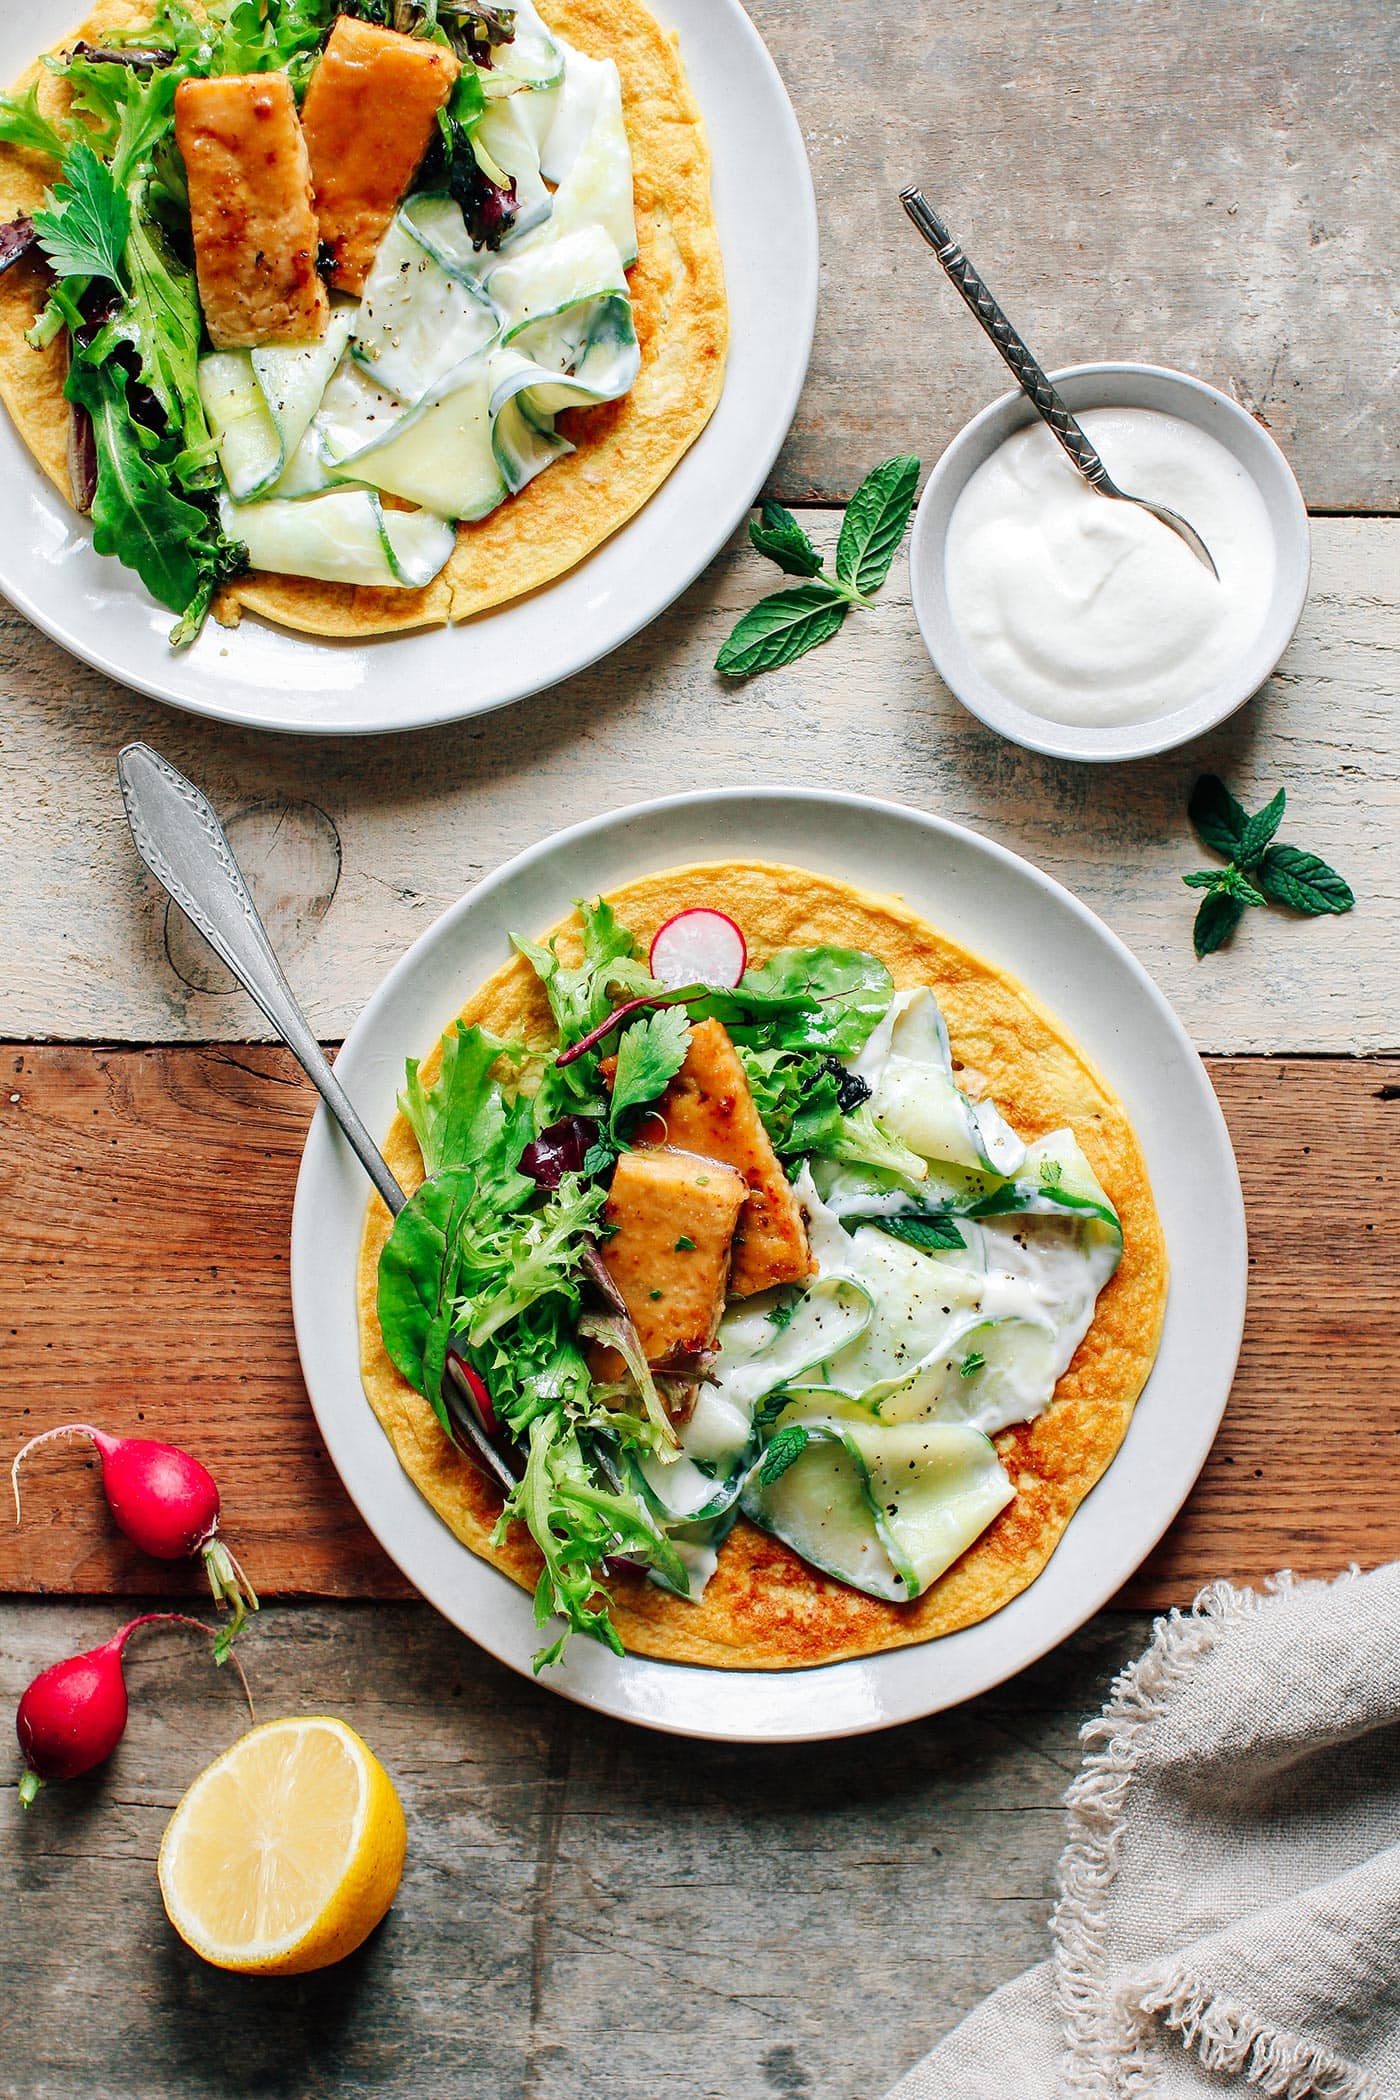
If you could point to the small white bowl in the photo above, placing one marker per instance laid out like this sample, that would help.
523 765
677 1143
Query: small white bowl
1111 386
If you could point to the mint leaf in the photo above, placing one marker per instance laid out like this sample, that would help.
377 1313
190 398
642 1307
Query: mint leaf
779 629
1205 879
84 230
768 1411
1258 832
784 1451
874 523
929 1235
972 1362
1217 817
1304 883
1219 915
649 1055
782 539
1235 884
21 125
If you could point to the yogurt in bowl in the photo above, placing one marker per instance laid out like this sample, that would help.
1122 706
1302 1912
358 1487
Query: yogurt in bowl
1082 626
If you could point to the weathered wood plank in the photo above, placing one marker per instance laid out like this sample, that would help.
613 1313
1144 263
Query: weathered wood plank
148 1196
353 853
1205 187
587 1910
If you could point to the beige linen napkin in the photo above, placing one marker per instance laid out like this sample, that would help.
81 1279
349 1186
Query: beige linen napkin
1229 1912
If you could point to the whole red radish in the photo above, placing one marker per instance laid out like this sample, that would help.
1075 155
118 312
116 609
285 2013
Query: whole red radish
167 1504
73 1715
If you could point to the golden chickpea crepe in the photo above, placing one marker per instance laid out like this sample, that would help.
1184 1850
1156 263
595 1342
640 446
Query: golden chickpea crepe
741 1447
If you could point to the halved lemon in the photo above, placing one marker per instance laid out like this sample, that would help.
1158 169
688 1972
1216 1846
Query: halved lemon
287 1852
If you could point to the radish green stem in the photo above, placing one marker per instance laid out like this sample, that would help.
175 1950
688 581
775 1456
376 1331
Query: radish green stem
231 1589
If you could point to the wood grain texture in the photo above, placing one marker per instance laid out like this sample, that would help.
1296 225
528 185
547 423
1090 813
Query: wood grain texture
1210 187
354 851
144 1273
588 1912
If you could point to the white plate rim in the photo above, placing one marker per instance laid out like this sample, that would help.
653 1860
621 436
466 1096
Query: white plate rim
832 1700
49 572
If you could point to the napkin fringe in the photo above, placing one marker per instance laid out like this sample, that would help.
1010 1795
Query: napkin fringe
1103 2059
1229 2039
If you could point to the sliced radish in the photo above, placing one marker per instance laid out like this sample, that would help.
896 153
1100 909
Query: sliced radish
477 1390
699 947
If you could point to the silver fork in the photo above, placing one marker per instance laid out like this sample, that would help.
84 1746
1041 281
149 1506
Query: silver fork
186 848
1030 376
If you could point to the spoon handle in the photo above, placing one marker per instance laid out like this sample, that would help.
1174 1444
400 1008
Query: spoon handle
185 847
1032 380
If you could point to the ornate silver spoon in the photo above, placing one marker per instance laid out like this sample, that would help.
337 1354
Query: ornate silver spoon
185 847
1031 378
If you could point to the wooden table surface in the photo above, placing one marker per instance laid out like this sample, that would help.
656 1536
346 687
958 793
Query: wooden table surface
589 1911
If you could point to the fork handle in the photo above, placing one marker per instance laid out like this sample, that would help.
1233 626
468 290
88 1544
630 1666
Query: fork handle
1031 378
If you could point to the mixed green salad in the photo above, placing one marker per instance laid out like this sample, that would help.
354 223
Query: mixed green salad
498 298
953 1271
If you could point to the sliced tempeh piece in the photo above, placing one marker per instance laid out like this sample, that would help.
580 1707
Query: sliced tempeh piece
369 115
255 233
708 1108
672 1217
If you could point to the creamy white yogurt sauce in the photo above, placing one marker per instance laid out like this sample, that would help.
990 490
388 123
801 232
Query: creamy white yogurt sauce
1092 612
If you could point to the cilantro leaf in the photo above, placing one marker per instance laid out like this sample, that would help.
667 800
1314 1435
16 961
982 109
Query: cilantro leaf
83 232
1216 815
929 1235
649 1055
972 1362
1289 876
782 539
781 628
784 1451
874 523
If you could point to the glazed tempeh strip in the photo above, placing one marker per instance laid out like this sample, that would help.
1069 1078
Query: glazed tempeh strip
369 117
255 232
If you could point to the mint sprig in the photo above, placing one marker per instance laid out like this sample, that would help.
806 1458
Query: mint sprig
786 625
1259 871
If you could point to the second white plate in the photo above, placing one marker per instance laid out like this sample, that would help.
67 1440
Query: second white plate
267 678
1008 912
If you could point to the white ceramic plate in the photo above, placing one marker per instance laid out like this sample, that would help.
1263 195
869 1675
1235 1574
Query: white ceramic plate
263 677
1005 910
